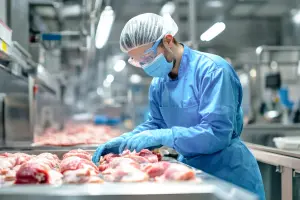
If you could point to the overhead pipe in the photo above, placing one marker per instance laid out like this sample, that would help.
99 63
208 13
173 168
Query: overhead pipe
193 23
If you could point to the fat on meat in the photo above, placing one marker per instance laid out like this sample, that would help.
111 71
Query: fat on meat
80 176
79 153
74 163
126 173
177 172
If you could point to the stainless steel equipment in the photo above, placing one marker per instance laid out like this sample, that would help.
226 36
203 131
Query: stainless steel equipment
287 165
29 98
209 189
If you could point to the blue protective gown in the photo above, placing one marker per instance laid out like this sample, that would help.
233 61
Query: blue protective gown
202 108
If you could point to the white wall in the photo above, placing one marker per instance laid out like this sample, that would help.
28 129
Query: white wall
3 10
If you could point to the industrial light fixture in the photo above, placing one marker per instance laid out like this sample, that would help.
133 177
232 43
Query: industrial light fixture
253 73
100 91
110 78
296 17
259 50
106 21
168 8
215 4
135 78
213 31
106 83
120 65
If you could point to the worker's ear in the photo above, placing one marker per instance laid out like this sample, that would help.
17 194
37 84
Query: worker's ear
168 41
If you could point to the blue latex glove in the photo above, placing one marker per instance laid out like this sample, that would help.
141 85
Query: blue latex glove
111 146
147 140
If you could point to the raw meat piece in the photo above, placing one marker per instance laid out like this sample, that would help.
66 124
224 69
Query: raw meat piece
6 164
6 155
109 157
80 176
126 173
137 158
150 156
55 177
10 175
76 134
74 163
123 161
177 172
52 164
79 153
155 169
49 156
33 173
120 162
103 167
21 158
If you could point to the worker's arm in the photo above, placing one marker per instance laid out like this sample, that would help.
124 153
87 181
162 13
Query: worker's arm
219 98
155 120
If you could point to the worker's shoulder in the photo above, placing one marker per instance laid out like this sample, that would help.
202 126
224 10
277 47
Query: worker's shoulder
207 62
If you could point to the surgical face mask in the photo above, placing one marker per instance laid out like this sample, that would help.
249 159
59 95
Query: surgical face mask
160 67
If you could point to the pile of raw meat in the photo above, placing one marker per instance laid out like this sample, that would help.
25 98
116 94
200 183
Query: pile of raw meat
76 167
83 134
46 168
142 166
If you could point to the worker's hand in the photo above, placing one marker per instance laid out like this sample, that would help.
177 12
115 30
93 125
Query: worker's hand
145 139
111 146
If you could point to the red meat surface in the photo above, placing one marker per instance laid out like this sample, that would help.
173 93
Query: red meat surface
33 173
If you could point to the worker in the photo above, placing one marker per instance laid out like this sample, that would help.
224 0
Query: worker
195 104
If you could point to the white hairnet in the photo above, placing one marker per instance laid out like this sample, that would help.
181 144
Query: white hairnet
145 29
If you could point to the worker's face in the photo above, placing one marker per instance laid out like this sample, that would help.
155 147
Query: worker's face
165 48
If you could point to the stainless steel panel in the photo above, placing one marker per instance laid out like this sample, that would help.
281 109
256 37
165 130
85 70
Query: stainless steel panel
209 188
16 107
2 96
18 21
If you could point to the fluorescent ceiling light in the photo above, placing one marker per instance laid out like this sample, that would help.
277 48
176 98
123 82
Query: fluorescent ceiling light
213 31
120 65
168 8
258 50
296 18
253 73
106 21
215 4
100 91
110 78
135 78
106 83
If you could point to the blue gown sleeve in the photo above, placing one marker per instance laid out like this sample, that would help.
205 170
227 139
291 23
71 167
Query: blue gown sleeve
155 120
220 93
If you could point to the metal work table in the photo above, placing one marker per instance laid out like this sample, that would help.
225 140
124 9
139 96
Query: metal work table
209 188
271 129
287 163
